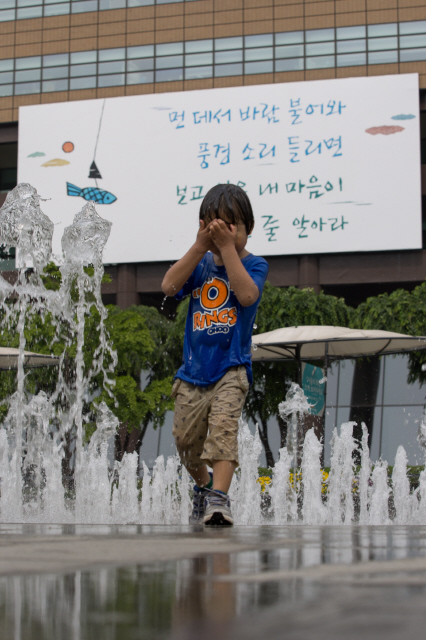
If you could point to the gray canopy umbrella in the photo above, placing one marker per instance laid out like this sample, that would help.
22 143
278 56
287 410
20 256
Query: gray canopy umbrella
327 343
9 359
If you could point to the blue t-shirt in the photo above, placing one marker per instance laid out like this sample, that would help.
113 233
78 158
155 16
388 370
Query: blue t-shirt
218 328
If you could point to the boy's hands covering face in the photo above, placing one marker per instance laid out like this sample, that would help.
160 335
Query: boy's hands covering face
204 241
221 234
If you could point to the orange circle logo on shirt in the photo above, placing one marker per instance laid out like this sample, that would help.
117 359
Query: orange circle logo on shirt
214 294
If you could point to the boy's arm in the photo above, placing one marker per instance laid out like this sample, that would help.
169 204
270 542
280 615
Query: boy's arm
240 280
179 273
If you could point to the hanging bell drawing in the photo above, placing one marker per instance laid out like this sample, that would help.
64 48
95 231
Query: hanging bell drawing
94 171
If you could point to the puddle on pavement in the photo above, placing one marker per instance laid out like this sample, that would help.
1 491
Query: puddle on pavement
161 599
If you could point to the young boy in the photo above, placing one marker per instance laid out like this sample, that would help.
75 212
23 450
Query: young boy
225 282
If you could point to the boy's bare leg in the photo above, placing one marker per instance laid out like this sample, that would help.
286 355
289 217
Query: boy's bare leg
223 471
200 475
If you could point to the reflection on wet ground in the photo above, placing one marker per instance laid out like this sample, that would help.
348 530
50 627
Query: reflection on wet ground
280 582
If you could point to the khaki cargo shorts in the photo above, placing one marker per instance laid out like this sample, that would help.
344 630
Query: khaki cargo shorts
205 425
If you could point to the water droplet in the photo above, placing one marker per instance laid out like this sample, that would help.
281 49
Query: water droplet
423 367
255 326
254 347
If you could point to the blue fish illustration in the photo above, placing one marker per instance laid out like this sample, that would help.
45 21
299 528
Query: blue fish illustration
91 193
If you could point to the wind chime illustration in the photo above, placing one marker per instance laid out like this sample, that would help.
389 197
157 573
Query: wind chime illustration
100 196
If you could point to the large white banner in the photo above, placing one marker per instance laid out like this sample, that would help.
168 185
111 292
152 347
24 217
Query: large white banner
329 166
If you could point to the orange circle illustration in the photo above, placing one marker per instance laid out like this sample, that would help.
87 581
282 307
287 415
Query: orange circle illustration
214 294
68 147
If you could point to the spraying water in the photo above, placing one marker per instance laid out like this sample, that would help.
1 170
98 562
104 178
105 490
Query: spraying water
44 433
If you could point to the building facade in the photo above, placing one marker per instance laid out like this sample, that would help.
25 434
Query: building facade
53 51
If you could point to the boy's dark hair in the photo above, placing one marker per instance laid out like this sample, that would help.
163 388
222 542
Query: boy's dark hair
228 200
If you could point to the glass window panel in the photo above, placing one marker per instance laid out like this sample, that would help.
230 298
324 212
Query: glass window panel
382 57
409 42
292 64
198 72
6 90
397 390
222 44
167 1
140 78
29 87
258 67
111 67
54 1
28 3
57 9
83 83
264 40
7 15
352 60
351 46
27 76
111 81
6 77
55 85
346 374
350 33
55 60
319 35
83 7
319 49
139 3
223 70
82 57
321 62
380 44
400 428
265 53
198 46
289 52
221 57
168 75
30 12
7 4
6 65
55 72
146 64
169 62
82 70
378 30
105 55
104 5
146 51
198 59
406 28
292 37
28 63
411 55
169 49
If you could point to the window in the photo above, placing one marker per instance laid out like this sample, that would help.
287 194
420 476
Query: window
382 44
198 72
26 88
57 9
83 56
168 62
169 75
140 78
351 46
319 49
350 33
111 67
292 64
198 46
352 60
169 49
27 76
319 35
221 57
224 70
54 85
28 63
293 37
54 73
146 64
146 51
258 41
406 28
105 55
111 81
222 44
84 6
198 59
83 83
321 62
258 67
289 52
266 53
382 57
56 59
82 70
406 42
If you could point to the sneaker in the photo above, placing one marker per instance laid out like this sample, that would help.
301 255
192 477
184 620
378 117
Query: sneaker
198 499
217 509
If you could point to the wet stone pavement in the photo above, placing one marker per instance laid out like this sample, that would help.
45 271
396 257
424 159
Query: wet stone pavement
60 582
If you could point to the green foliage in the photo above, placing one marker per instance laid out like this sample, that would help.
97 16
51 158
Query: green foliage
402 312
293 307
